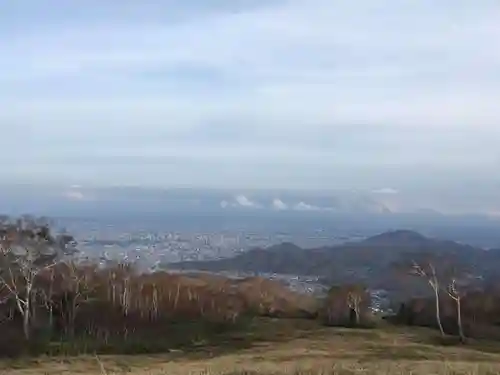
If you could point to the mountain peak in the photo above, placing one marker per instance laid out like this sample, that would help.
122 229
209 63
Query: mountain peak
397 237
284 247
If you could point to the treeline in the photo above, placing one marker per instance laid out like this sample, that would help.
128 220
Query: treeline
48 297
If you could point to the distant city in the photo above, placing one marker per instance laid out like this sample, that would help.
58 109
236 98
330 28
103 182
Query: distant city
151 248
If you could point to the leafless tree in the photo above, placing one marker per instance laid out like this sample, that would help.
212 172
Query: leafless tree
444 272
78 283
27 248
354 300
460 282
47 294
455 293
427 270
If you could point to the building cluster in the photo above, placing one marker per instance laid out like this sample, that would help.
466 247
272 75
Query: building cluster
166 247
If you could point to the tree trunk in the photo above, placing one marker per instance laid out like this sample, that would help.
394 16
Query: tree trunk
27 313
51 318
459 321
177 295
72 319
438 311
26 323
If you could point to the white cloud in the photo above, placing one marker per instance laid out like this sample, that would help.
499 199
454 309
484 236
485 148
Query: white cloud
245 202
74 195
278 204
330 81
301 206
313 53
385 191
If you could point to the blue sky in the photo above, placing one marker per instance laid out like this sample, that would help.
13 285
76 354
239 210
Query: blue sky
275 93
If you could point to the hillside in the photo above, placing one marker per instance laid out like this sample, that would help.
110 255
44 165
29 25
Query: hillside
370 261
287 347
263 296
124 321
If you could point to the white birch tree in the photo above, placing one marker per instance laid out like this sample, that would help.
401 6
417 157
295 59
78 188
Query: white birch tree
28 248
427 271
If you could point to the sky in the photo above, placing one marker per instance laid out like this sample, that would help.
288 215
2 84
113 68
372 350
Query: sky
314 94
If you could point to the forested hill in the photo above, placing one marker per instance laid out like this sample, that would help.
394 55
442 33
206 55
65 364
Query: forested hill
371 261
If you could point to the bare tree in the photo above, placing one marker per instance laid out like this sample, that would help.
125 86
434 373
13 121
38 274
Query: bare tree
447 272
460 282
427 270
354 300
455 293
78 284
28 248
47 293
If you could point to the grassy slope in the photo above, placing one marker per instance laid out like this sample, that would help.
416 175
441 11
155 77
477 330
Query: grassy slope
275 347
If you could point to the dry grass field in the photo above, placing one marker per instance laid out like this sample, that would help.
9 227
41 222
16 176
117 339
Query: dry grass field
290 347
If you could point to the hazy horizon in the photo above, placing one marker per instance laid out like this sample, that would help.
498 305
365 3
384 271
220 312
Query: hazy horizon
311 95
463 200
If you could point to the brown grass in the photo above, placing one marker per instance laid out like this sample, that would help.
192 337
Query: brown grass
293 347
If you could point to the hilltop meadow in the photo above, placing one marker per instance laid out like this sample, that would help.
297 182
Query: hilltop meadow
63 316
284 346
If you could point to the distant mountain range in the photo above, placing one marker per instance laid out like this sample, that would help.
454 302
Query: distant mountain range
372 201
370 261
85 198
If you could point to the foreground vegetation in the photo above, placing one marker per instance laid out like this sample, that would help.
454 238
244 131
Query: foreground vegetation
290 346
